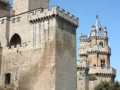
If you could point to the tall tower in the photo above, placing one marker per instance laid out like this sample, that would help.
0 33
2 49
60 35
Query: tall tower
21 6
94 48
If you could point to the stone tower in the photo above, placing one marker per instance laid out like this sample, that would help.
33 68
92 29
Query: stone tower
83 76
38 47
21 6
5 9
94 48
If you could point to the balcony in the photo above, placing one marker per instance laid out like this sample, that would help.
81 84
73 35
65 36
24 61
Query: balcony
102 70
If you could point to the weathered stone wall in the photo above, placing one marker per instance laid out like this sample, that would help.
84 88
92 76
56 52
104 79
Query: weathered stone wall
21 6
22 27
46 58
65 56
34 4
3 28
30 69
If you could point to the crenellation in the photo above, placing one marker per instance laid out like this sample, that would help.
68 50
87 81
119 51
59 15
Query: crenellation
55 11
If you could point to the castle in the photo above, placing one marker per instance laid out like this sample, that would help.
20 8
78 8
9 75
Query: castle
38 49
94 53
37 46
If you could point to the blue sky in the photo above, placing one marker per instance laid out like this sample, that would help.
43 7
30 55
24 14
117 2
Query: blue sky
109 16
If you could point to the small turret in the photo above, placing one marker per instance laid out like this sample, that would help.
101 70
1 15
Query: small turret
99 29
93 31
105 31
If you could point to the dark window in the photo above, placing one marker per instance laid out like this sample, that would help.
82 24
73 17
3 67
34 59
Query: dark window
13 21
18 19
7 78
102 63
101 44
94 65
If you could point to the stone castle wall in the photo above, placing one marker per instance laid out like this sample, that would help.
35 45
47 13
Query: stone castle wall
21 6
46 58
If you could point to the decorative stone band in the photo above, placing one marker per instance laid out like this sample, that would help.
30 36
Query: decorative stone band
102 70
93 37
99 37
41 15
95 49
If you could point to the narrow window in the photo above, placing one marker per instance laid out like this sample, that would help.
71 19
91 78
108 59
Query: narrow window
7 78
13 21
102 63
101 44
18 19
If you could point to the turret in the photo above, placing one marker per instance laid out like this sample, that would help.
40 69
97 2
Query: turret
93 31
95 50
105 31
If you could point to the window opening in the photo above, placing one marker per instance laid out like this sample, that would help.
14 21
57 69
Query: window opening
13 21
18 19
7 78
101 44
102 63
15 40
94 65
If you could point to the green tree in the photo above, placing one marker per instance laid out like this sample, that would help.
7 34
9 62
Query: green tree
104 85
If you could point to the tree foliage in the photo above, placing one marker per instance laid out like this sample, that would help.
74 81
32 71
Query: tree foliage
104 85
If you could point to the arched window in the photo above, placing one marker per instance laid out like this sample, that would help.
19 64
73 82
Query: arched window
15 40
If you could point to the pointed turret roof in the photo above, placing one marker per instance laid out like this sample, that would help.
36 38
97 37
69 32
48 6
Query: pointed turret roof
98 26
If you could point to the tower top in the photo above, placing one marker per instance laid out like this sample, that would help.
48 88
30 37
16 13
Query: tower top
98 27
21 6
96 16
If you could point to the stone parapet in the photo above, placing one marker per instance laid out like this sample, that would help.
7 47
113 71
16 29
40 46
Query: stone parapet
82 64
102 70
95 49
43 14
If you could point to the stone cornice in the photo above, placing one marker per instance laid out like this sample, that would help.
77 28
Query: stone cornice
55 12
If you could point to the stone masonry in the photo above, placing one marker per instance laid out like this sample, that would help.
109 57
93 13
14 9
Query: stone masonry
37 47
94 53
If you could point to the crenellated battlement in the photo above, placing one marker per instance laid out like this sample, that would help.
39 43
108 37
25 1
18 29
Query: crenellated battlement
82 64
43 14
95 49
